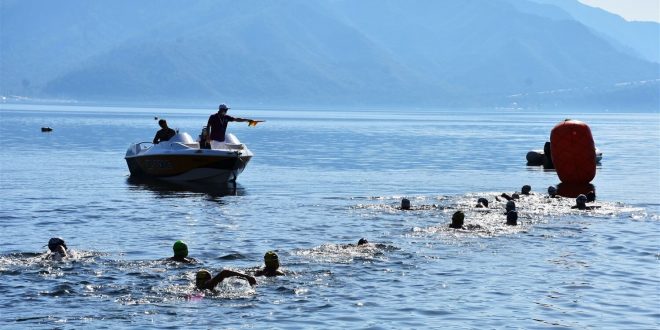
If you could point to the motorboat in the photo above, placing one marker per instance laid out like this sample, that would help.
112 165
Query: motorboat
182 159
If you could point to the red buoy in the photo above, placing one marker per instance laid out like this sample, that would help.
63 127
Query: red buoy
573 152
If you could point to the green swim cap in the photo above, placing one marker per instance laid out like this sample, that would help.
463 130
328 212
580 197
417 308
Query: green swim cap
271 260
180 249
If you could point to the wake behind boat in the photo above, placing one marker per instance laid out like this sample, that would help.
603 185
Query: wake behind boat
182 159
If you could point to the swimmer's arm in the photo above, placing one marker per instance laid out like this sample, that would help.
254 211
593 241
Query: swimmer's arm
229 273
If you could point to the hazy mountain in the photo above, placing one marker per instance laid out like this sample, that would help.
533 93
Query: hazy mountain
643 38
426 52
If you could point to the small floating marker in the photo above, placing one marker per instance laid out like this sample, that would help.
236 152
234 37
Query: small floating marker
46 129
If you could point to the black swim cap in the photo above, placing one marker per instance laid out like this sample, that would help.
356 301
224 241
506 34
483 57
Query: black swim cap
54 242
405 204
526 189
483 201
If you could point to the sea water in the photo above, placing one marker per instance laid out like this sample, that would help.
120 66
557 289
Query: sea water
320 180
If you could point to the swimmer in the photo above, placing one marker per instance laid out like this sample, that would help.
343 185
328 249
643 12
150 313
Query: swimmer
405 204
591 196
509 198
526 189
510 206
272 265
362 241
552 192
482 203
580 203
204 281
457 221
512 218
181 253
58 249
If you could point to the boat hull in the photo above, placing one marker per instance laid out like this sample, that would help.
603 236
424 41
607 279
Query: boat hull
203 166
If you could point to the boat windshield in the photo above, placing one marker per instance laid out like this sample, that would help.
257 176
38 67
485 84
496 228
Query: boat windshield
184 138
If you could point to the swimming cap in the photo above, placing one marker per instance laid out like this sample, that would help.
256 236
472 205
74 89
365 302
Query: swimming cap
512 218
552 190
483 201
581 199
457 219
271 260
54 242
591 196
201 277
515 196
362 241
510 206
526 189
180 249
405 204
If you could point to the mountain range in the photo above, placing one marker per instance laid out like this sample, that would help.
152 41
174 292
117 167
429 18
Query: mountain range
328 52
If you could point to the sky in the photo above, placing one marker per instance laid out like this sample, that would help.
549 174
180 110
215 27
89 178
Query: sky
631 10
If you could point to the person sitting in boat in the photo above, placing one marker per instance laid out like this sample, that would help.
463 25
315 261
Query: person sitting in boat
165 133
181 253
272 265
580 203
204 139
205 281
57 248
217 126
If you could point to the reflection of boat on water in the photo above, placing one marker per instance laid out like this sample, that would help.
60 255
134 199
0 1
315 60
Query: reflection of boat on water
182 159
165 188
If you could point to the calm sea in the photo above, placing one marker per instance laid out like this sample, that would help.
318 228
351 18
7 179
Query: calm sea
320 180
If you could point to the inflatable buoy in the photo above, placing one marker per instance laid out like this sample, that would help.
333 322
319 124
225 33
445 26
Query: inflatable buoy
573 152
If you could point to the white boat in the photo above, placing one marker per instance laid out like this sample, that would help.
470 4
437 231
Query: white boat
182 159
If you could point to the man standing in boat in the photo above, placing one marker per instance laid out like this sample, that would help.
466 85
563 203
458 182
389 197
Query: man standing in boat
217 126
